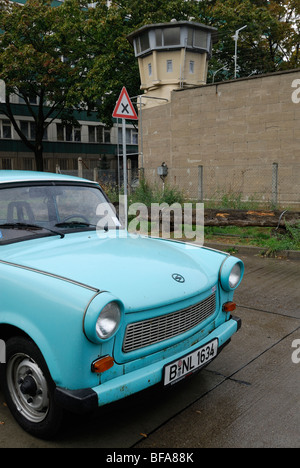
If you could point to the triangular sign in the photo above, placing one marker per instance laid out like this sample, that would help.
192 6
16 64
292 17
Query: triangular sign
124 108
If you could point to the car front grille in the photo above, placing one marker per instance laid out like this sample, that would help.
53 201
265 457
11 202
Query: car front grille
148 332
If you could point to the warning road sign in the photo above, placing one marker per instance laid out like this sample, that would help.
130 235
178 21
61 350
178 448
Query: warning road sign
124 108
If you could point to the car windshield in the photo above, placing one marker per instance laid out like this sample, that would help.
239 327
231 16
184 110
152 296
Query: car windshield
53 209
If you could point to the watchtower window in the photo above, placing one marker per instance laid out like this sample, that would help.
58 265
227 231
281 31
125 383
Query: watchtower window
171 36
200 39
158 37
142 43
197 38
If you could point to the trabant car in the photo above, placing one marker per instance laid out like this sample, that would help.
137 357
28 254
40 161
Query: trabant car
88 317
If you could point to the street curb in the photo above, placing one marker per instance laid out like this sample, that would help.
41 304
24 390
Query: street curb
252 250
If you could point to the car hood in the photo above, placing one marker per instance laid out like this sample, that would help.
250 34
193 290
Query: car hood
139 271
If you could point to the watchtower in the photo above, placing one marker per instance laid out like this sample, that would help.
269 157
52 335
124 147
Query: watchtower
172 56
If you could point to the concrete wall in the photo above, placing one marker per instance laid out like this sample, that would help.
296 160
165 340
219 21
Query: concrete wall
226 137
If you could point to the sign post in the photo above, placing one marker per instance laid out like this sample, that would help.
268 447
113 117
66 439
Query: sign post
124 110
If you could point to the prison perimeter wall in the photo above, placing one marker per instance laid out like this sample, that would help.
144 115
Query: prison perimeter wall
239 137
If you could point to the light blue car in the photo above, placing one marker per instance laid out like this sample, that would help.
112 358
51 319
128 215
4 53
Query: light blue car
89 314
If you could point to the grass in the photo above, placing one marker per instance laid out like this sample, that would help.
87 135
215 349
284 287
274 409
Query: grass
235 201
147 194
269 239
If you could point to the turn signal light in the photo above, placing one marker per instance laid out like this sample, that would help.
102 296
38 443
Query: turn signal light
229 306
102 364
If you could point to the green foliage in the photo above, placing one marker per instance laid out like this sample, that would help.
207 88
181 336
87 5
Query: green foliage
147 194
42 61
269 43
270 240
113 62
99 61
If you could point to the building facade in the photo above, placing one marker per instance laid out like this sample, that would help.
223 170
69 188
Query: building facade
98 146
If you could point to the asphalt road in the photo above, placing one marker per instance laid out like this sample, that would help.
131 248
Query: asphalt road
248 397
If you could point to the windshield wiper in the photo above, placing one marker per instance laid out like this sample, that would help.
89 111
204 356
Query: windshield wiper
75 224
30 227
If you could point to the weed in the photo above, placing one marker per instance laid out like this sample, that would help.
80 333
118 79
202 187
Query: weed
147 194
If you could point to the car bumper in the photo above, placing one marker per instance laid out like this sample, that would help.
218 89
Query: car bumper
87 400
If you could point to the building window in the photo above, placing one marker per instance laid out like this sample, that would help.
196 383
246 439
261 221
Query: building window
29 130
171 36
190 37
93 134
169 66
99 134
150 69
142 43
77 134
5 129
24 127
158 37
192 66
200 39
131 136
68 133
167 37
60 132
134 137
106 135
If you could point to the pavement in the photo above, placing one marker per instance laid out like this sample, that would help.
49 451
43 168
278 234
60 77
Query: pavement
247 397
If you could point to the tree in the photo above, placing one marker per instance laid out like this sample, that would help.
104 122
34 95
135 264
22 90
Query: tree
75 56
114 63
40 63
269 43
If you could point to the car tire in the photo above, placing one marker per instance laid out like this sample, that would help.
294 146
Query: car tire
29 389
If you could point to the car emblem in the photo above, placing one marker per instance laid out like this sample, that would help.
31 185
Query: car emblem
178 278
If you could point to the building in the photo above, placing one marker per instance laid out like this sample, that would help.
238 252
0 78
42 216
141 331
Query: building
98 146
237 139
171 56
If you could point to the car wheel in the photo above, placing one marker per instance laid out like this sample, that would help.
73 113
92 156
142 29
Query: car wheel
29 389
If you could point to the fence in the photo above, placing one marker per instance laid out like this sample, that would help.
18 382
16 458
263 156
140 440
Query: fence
106 177
270 185
273 184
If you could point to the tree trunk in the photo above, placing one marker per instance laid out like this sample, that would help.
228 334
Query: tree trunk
39 161
241 218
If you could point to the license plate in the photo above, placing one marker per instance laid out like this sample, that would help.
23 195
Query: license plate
188 364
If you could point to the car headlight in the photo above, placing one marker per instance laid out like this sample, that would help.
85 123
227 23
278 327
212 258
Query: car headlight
231 273
102 317
235 276
108 321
